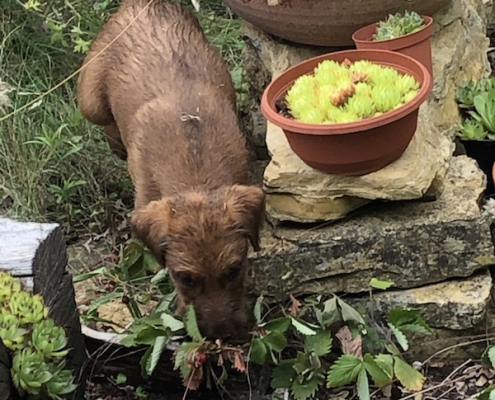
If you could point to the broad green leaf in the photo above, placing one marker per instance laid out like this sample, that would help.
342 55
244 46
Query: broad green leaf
386 364
485 359
277 325
192 325
488 393
121 379
148 335
275 341
409 377
283 375
401 338
258 351
363 387
330 313
158 347
344 371
306 389
89 275
379 376
349 313
419 327
491 356
257 309
319 343
149 261
302 328
169 322
378 284
106 298
408 319
144 362
159 276
302 363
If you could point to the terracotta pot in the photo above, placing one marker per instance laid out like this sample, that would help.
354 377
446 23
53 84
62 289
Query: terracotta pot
416 44
355 148
324 22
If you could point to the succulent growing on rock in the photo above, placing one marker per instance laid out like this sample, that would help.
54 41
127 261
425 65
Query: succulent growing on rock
37 345
397 25
348 92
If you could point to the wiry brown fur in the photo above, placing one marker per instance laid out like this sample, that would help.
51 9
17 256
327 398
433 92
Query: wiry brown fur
167 103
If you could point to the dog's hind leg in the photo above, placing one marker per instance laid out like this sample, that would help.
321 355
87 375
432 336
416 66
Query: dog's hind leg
115 140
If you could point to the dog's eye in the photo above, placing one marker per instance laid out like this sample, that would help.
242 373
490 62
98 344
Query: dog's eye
233 273
187 280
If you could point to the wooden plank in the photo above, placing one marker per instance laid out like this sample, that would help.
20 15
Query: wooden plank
38 254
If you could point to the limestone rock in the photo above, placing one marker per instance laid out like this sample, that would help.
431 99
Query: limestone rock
297 192
412 243
456 304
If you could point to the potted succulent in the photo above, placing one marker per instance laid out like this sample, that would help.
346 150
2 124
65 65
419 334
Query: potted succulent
476 132
328 23
407 33
350 112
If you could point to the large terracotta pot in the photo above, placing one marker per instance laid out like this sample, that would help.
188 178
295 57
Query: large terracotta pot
324 22
355 148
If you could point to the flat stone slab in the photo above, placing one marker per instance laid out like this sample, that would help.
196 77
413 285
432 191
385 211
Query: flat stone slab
412 243
456 304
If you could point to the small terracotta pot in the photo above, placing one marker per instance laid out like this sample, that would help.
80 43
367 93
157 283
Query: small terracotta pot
355 148
416 45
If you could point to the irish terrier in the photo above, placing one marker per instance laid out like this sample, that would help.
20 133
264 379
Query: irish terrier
167 103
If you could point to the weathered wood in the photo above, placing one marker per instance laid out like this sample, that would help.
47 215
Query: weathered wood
7 390
36 253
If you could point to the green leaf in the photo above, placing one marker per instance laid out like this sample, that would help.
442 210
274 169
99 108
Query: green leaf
277 325
89 275
169 322
275 341
386 364
319 343
283 375
363 388
488 393
258 351
158 347
349 313
330 313
401 338
149 262
379 376
121 379
98 302
192 325
257 309
488 357
302 328
408 319
409 377
144 362
306 389
159 276
378 284
344 371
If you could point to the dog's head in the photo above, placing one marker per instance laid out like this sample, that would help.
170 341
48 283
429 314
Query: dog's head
202 238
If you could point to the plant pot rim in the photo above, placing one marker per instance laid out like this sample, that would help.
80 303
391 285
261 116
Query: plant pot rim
362 34
268 99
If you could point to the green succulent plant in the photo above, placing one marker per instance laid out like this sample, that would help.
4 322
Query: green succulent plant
468 90
37 345
348 92
397 25
471 129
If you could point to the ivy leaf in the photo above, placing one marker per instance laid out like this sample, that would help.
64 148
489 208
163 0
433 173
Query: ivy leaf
277 325
401 338
488 357
158 347
192 325
344 371
306 389
275 341
319 343
363 387
171 323
302 328
378 284
258 351
386 364
409 377
379 376
283 375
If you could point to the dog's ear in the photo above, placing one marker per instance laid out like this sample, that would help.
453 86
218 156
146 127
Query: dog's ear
150 225
246 206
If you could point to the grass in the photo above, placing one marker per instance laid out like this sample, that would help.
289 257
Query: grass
54 165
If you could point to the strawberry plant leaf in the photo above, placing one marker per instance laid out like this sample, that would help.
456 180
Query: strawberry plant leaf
283 375
378 284
344 371
257 309
277 325
158 347
349 313
302 328
319 343
386 364
363 387
306 389
379 376
258 351
192 325
169 322
409 377
330 313
408 319
485 359
401 338
275 341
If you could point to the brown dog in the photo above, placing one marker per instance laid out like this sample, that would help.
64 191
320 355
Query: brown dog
167 103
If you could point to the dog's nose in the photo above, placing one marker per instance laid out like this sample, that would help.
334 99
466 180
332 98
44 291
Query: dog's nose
217 331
